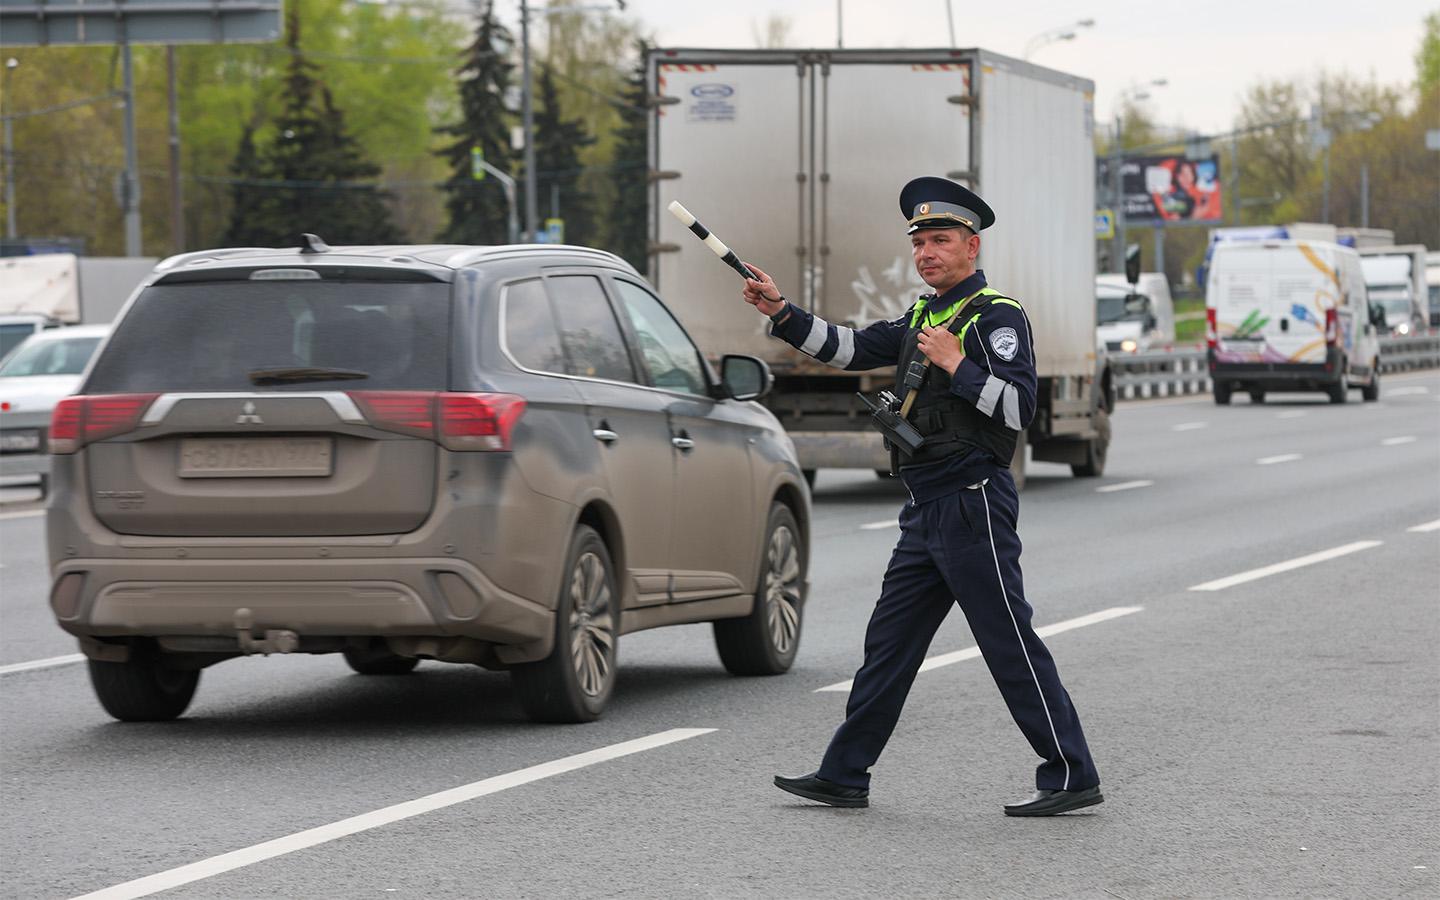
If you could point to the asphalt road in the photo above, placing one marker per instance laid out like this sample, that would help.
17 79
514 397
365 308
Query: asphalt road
1268 736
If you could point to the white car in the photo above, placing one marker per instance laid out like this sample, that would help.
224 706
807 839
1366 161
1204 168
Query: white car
35 376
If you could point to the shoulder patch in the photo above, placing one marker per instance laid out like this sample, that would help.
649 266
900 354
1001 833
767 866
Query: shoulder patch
1006 343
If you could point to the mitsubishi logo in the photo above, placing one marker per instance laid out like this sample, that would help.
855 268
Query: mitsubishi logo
247 415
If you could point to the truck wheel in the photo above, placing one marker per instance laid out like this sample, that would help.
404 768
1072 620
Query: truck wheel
1222 394
1340 390
143 689
1096 450
1371 392
372 662
1257 396
764 642
575 681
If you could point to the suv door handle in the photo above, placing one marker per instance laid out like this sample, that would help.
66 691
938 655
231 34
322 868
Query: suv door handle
605 435
684 444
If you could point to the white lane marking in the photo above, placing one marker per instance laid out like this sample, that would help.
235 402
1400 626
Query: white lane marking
875 526
1282 458
1122 486
1221 584
235 859
1407 391
29 514
1291 414
1428 526
1189 426
946 659
1397 441
50 663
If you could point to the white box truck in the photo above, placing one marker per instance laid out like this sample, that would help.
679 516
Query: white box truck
796 158
1395 277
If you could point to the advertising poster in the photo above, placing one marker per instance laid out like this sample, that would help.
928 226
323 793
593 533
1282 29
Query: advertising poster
1171 189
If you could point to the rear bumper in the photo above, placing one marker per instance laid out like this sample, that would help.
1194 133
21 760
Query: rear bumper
1278 375
313 598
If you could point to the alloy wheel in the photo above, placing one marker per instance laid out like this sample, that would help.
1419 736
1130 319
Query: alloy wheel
782 590
592 625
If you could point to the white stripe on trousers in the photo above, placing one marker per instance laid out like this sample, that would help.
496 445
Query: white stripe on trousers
989 527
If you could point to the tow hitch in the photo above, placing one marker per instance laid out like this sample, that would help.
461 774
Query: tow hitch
276 640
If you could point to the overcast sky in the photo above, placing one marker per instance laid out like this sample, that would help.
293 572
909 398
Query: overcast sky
1209 51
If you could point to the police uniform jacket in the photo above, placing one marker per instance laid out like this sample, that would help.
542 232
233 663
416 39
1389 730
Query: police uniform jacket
996 376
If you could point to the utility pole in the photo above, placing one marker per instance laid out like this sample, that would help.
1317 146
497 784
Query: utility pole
177 208
130 181
528 116
9 138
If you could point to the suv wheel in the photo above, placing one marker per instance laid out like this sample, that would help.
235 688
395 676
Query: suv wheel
574 682
764 642
143 689
379 662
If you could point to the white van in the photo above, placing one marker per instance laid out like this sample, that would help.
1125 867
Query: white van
1290 316
1135 322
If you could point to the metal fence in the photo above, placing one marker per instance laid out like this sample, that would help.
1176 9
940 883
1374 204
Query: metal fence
1176 372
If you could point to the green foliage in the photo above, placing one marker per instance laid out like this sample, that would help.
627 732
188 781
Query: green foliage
629 214
478 209
313 175
1427 58
558 142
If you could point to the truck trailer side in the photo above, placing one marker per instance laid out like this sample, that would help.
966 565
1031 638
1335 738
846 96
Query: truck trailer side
797 158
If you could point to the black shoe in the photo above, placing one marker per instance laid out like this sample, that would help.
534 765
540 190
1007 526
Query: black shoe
1052 803
813 787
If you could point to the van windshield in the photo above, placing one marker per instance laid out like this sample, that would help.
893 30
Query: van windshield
1110 306
308 335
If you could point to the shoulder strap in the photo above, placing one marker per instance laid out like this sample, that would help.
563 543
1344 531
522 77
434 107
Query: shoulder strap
954 317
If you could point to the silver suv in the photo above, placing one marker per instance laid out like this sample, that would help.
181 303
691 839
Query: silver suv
503 456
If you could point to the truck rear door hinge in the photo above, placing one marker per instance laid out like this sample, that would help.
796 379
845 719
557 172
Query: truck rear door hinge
962 100
959 175
653 101
655 175
654 247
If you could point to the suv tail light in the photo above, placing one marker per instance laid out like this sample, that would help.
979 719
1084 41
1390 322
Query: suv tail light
1332 327
78 421
455 421
1212 331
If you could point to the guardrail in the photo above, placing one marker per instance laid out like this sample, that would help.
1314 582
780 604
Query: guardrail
1172 373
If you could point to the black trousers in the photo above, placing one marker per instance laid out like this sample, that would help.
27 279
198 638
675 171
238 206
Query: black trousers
963 549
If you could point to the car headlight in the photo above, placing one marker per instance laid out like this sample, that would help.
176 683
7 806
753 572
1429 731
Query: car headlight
1402 328
1129 346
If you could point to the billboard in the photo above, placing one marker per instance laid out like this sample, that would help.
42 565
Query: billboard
32 23
1173 190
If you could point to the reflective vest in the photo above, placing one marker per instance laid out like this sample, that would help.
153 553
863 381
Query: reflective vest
949 423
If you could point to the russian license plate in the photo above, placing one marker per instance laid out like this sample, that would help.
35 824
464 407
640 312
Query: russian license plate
263 457
20 440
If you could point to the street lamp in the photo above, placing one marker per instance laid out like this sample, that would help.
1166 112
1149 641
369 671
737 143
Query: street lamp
1064 33
527 105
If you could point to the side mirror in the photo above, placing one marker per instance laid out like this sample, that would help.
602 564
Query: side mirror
744 377
1377 316
1132 263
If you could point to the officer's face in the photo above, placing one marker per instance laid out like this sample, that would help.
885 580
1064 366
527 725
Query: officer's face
944 257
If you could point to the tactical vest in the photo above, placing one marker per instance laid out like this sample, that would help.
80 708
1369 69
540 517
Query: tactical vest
949 423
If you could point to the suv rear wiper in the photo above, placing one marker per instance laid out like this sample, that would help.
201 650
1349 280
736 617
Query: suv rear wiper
292 374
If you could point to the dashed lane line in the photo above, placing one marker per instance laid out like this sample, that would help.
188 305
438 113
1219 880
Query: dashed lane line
1123 486
28 514
1189 426
1428 526
1398 440
876 526
1221 584
235 859
49 663
1282 458
1291 414
946 659
1407 391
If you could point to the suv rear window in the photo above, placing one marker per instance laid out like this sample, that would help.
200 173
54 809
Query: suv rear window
214 336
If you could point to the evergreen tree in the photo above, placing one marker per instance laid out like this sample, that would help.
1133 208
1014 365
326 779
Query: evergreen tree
629 229
558 142
247 196
478 208
314 176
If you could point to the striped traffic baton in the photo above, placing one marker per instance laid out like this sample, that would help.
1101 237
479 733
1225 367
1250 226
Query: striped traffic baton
714 243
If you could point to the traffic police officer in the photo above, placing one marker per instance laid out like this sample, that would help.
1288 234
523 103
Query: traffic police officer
957 534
